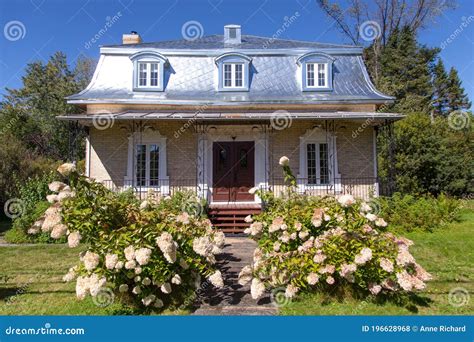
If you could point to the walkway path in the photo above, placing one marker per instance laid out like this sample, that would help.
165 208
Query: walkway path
234 299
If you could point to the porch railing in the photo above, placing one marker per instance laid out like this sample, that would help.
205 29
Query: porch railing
164 187
361 187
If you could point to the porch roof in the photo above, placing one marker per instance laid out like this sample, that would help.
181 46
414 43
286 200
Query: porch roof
234 116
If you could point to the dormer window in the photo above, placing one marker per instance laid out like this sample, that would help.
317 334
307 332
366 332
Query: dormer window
233 75
148 71
148 74
233 72
316 75
316 71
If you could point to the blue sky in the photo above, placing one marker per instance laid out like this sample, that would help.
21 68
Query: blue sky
46 26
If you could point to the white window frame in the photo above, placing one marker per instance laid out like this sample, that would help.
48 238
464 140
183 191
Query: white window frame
148 58
147 138
148 71
318 136
233 74
316 75
147 164
318 162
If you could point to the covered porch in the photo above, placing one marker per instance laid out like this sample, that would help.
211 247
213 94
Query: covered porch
221 156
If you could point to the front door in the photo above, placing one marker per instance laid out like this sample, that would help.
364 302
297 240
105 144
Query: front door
233 171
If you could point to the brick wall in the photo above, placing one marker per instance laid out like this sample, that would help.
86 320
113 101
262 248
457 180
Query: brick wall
354 148
109 152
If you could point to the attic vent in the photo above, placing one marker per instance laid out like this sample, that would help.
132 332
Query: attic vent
232 34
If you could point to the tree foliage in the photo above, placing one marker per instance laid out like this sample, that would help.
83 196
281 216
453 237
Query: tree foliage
429 156
33 139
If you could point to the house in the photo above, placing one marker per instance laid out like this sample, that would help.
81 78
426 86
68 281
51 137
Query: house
215 115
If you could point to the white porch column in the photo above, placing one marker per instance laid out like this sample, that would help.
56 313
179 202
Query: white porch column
202 162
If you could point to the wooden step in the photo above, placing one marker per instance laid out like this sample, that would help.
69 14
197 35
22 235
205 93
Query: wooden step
231 218
234 211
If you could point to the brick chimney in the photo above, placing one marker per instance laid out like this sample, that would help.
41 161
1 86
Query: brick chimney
131 38
232 34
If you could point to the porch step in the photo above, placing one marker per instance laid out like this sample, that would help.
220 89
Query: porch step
230 218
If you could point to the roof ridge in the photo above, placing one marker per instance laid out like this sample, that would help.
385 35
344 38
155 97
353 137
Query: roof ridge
208 39
303 41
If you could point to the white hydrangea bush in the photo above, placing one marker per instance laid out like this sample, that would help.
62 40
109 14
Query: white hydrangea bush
310 244
150 253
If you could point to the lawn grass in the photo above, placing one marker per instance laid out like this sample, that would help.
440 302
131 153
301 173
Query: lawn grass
35 287
448 254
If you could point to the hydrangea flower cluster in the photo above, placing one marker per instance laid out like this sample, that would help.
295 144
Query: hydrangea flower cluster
309 243
150 255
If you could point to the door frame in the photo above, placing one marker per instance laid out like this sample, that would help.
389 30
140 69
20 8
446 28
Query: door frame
232 133
233 149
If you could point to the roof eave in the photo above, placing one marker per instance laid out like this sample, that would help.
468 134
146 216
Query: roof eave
72 100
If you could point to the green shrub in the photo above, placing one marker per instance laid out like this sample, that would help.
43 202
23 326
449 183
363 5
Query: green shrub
16 235
149 255
326 244
19 231
32 194
409 212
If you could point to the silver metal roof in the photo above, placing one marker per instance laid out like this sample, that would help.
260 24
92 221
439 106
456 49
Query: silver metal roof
248 42
248 116
191 79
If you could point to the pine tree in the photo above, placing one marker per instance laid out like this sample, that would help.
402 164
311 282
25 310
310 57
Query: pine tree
405 69
440 89
457 98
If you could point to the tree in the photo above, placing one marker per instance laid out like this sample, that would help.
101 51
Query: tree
405 71
40 100
440 89
457 98
430 157
374 22
33 139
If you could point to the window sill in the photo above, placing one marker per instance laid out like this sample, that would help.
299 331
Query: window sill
233 89
148 89
317 89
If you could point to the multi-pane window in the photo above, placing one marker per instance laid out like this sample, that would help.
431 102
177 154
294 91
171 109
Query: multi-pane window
310 75
142 76
322 75
316 75
233 75
317 161
154 74
141 165
148 74
227 75
147 165
238 75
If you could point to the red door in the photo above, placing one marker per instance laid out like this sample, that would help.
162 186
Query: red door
234 171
